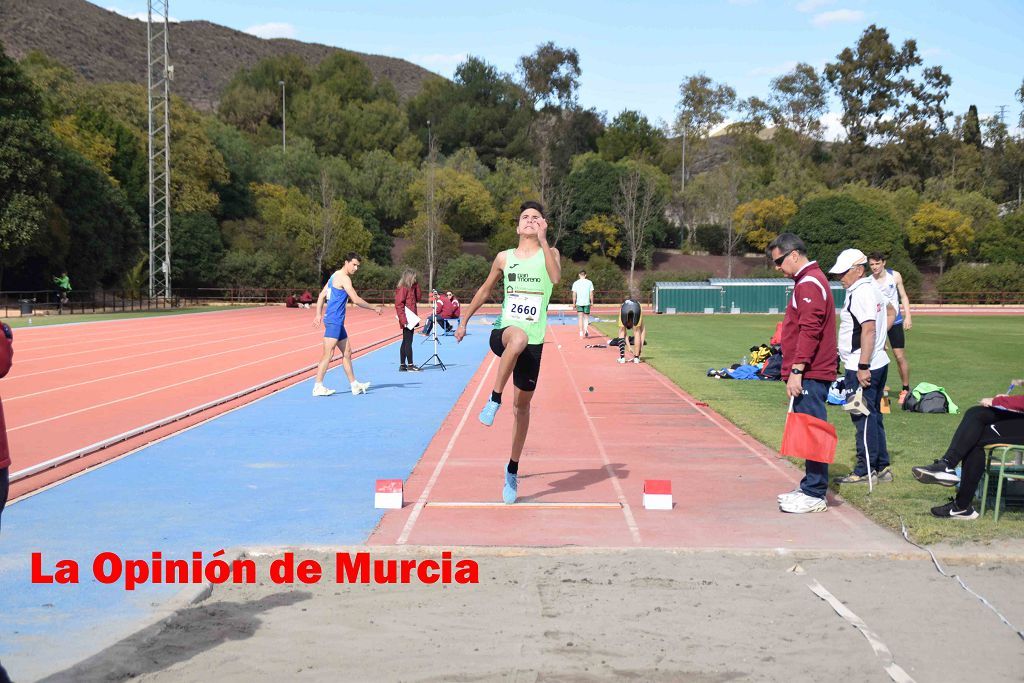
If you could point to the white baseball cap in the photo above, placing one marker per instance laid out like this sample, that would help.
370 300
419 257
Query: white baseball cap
848 259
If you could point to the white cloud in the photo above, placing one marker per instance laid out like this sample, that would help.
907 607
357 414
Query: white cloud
444 64
832 126
776 70
837 16
140 16
812 5
274 29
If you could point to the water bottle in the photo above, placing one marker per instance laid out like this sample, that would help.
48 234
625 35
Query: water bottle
744 361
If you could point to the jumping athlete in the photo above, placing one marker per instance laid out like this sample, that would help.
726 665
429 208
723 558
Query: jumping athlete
529 272
631 321
890 283
337 293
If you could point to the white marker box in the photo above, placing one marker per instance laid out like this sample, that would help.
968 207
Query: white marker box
389 494
657 494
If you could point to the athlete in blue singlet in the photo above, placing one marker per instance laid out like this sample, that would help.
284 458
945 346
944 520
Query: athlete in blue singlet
338 292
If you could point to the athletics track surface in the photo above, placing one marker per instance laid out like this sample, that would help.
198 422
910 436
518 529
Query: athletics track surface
290 470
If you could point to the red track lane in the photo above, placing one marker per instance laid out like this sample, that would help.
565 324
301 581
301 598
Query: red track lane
76 385
599 447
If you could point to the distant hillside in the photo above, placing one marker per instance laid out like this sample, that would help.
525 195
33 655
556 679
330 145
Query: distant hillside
106 47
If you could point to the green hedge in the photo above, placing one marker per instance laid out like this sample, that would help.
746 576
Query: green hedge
998 277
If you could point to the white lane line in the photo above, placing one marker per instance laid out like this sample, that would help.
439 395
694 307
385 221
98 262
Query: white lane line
421 502
627 512
896 673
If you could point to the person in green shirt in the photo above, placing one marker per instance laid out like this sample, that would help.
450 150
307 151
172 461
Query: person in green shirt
63 290
528 272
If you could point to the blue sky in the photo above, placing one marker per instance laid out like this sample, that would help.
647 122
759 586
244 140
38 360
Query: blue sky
635 54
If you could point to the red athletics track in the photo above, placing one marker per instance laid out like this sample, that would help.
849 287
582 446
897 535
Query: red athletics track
597 448
76 385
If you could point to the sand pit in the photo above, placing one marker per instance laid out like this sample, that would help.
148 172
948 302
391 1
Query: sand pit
560 615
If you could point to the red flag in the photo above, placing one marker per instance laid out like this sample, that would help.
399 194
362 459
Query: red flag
809 438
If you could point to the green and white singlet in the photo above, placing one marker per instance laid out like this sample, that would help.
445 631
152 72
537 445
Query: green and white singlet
527 288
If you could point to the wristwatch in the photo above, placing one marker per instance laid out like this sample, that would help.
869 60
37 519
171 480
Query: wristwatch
863 366
795 371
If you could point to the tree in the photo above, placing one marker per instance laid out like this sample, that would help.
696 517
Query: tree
972 128
703 104
798 101
879 95
761 220
941 231
630 135
832 223
601 236
638 203
551 75
28 163
198 250
465 272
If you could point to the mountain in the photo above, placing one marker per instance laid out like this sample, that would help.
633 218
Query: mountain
104 46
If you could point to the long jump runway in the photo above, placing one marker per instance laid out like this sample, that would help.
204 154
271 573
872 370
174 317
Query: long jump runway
598 430
291 470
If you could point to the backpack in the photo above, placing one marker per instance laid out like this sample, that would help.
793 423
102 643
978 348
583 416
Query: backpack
772 367
929 398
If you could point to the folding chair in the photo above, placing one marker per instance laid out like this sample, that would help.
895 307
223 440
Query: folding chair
1010 467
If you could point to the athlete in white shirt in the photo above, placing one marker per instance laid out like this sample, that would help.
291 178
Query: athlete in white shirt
890 284
582 296
863 322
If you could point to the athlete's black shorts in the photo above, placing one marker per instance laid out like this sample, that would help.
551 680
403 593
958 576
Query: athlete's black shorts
527 369
896 338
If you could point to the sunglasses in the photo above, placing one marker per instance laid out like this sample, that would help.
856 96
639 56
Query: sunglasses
782 258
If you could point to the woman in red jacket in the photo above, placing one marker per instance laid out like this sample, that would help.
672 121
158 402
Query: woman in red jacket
407 293
6 358
999 419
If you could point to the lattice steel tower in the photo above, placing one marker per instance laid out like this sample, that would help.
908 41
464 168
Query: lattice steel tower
159 100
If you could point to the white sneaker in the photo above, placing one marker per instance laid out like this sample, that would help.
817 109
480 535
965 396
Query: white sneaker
581 335
359 388
321 390
789 494
801 503
636 360
622 361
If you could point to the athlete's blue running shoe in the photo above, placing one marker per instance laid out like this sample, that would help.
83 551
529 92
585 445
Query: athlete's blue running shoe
488 412
508 493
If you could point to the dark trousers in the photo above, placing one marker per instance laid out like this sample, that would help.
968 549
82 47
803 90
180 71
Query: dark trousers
979 427
405 351
812 402
5 484
871 443
429 324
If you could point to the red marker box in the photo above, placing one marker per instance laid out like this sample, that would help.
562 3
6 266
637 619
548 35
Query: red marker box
389 494
657 494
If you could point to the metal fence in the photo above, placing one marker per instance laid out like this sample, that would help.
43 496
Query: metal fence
51 302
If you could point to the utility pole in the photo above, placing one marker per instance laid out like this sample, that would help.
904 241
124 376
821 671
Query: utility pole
158 98
284 121
1002 113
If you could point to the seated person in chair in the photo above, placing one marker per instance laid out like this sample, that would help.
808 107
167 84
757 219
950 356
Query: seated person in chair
306 299
999 419
440 302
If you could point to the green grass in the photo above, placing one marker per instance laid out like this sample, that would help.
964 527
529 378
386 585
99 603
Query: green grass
972 357
40 320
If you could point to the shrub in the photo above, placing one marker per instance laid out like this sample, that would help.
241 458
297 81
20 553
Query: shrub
647 283
994 278
464 273
710 238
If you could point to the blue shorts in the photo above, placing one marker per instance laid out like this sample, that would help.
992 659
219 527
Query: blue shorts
335 331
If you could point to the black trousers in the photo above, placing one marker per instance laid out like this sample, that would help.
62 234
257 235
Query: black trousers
405 351
5 484
980 427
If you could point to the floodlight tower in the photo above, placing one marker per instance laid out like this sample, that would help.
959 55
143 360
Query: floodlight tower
159 100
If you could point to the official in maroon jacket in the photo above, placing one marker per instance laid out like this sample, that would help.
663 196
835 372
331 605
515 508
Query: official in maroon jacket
810 356
6 359
999 419
407 293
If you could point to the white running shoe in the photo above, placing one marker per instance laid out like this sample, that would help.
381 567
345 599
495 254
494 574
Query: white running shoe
801 503
636 360
789 494
321 390
359 388
622 361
